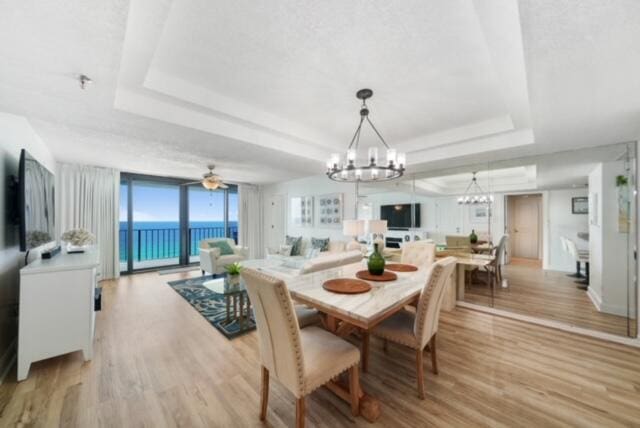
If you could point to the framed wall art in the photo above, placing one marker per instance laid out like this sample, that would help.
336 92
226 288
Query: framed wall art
329 210
301 211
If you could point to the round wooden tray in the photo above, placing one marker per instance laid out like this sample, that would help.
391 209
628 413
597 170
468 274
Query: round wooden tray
401 267
386 276
346 286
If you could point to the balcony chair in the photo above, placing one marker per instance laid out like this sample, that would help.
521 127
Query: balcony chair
301 360
211 259
418 331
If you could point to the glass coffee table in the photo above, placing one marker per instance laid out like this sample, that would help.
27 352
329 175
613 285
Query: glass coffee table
236 299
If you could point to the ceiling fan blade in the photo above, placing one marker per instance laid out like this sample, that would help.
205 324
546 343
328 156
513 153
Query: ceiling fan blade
223 186
191 183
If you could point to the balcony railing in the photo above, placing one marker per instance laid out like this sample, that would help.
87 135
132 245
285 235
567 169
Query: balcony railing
155 244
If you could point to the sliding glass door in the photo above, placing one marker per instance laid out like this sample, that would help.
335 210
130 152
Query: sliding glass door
163 220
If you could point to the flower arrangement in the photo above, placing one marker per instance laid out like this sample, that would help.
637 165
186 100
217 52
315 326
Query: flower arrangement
37 238
234 269
78 237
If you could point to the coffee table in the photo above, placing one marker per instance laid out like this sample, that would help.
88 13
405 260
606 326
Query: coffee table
235 295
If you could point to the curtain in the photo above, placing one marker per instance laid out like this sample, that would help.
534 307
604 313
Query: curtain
89 197
250 222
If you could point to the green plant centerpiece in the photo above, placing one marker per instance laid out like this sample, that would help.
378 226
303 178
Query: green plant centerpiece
376 262
233 272
473 238
621 180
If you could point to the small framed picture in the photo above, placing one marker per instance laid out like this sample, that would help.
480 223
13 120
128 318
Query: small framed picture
580 205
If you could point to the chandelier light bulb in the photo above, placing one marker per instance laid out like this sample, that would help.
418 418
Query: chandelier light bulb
402 159
351 155
391 156
373 155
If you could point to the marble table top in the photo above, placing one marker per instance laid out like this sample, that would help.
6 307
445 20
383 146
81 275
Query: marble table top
363 310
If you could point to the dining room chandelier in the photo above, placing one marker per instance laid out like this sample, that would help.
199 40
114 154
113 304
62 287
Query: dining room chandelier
371 170
475 195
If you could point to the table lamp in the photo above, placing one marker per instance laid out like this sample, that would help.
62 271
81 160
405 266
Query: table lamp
353 228
377 228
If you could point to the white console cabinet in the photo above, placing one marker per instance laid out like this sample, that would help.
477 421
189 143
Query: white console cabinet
57 308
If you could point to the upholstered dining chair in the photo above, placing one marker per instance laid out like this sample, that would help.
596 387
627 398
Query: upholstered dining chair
418 331
301 360
418 253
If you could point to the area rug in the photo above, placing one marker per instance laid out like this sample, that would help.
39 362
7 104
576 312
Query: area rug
210 305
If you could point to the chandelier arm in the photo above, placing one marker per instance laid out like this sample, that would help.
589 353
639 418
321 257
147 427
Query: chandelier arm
357 133
377 133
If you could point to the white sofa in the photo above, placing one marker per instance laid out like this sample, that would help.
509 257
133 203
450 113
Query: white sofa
211 261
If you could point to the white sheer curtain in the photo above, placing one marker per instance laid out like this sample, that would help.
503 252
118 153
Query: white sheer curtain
89 197
250 222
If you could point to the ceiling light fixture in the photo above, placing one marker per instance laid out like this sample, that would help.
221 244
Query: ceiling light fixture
474 195
350 171
84 81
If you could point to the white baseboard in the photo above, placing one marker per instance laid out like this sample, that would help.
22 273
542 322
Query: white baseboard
595 298
635 342
8 359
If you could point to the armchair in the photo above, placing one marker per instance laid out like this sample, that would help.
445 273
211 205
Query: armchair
213 262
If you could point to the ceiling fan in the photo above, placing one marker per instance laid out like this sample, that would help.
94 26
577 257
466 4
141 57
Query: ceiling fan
210 180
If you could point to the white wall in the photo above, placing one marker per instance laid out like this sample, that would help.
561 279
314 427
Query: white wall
313 186
15 134
608 285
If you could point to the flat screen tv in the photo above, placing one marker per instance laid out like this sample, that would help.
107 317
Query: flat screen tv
36 203
398 216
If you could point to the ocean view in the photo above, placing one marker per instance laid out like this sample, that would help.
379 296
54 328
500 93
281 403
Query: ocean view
161 239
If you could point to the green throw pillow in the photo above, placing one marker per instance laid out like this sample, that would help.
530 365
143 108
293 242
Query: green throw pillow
296 243
320 244
225 248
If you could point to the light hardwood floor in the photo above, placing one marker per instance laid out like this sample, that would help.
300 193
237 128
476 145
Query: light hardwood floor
546 294
159 363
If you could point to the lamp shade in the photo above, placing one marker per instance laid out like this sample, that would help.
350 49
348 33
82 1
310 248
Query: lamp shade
353 227
376 226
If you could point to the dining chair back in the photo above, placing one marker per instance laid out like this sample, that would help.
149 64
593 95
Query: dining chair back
278 331
418 253
428 310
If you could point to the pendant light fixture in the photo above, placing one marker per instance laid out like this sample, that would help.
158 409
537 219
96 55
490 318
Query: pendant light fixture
474 195
348 170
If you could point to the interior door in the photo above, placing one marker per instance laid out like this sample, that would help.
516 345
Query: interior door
526 226
275 221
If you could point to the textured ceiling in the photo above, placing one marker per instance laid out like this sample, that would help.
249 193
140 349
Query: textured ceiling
266 89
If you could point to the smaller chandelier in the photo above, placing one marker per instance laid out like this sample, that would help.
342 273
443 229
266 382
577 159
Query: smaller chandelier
474 195
372 170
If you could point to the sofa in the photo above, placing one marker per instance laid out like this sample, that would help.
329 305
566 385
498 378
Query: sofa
211 259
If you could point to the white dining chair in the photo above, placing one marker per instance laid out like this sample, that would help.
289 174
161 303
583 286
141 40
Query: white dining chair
418 330
418 253
301 360
579 257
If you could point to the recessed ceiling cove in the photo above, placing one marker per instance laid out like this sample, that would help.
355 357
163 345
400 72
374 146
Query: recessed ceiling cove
283 74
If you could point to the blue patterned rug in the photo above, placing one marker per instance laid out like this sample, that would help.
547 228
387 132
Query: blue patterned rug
212 306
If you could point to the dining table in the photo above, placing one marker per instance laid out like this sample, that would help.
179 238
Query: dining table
346 314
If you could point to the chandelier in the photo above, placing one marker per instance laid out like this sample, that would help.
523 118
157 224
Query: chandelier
474 195
372 170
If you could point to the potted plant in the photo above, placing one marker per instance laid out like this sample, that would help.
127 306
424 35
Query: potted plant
233 272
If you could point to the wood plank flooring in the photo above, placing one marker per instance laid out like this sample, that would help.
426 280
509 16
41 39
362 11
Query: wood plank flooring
546 294
158 363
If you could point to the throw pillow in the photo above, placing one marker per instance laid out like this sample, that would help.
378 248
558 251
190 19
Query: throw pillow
285 250
320 244
296 243
225 248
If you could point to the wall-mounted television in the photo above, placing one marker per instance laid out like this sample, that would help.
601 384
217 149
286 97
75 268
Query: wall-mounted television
36 201
399 216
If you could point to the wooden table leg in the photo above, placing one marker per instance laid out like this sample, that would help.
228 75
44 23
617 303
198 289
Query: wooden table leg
365 351
369 407
461 278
